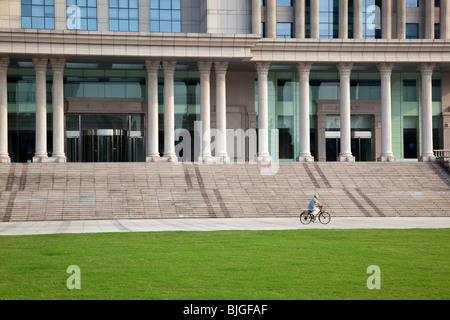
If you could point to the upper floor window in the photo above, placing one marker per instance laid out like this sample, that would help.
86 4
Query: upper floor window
412 3
82 14
38 14
123 15
329 19
284 3
165 15
412 31
284 30
371 19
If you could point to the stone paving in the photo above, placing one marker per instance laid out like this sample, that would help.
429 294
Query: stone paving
122 191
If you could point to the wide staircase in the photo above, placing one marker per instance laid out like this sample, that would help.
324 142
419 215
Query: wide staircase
75 191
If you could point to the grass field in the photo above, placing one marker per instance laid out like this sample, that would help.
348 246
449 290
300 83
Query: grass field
263 265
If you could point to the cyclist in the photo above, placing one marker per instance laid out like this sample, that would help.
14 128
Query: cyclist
314 205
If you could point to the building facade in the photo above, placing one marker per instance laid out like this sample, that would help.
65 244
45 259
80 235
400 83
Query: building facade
213 80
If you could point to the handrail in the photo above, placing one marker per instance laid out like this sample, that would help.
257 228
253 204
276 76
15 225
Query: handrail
442 153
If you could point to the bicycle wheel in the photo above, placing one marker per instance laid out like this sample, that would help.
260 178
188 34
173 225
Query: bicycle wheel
305 217
324 218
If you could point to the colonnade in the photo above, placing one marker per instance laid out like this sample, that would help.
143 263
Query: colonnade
220 69
386 18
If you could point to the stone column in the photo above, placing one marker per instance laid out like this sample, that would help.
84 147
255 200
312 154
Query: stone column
205 108
256 16
169 111
263 112
300 19
314 20
4 155
58 66
271 18
386 19
401 19
357 19
444 19
152 134
40 67
343 19
221 111
426 70
386 125
345 70
429 19
304 70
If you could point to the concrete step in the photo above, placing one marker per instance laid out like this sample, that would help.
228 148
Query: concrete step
75 191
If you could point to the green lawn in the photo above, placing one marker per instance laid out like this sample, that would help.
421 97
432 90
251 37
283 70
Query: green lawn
266 265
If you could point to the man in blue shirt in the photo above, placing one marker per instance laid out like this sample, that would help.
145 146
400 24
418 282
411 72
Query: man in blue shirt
314 205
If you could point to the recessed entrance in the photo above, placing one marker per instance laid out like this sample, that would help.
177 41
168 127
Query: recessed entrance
102 138
365 129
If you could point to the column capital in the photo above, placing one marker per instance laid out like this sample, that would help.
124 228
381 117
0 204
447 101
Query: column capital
58 65
304 67
345 68
385 68
152 66
40 64
169 66
204 67
426 69
220 67
262 67
4 62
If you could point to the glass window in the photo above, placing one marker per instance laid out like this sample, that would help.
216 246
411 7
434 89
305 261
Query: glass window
409 90
329 19
412 3
371 19
284 30
81 14
123 15
284 3
38 14
436 90
165 15
412 31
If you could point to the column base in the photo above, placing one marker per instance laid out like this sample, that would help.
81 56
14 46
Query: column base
155 158
427 158
58 159
5 159
41 159
173 159
206 159
305 159
346 159
221 159
386 158
264 159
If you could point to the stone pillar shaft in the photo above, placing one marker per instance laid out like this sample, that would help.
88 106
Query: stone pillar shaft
4 155
386 123
426 70
169 111
40 67
58 66
221 111
346 151
205 108
263 112
304 70
152 111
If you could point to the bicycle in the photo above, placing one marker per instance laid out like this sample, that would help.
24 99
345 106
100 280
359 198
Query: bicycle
306 216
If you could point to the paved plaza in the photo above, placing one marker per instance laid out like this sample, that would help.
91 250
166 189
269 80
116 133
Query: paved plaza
210 224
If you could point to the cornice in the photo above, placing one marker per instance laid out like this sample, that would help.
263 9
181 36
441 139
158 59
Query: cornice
218 47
